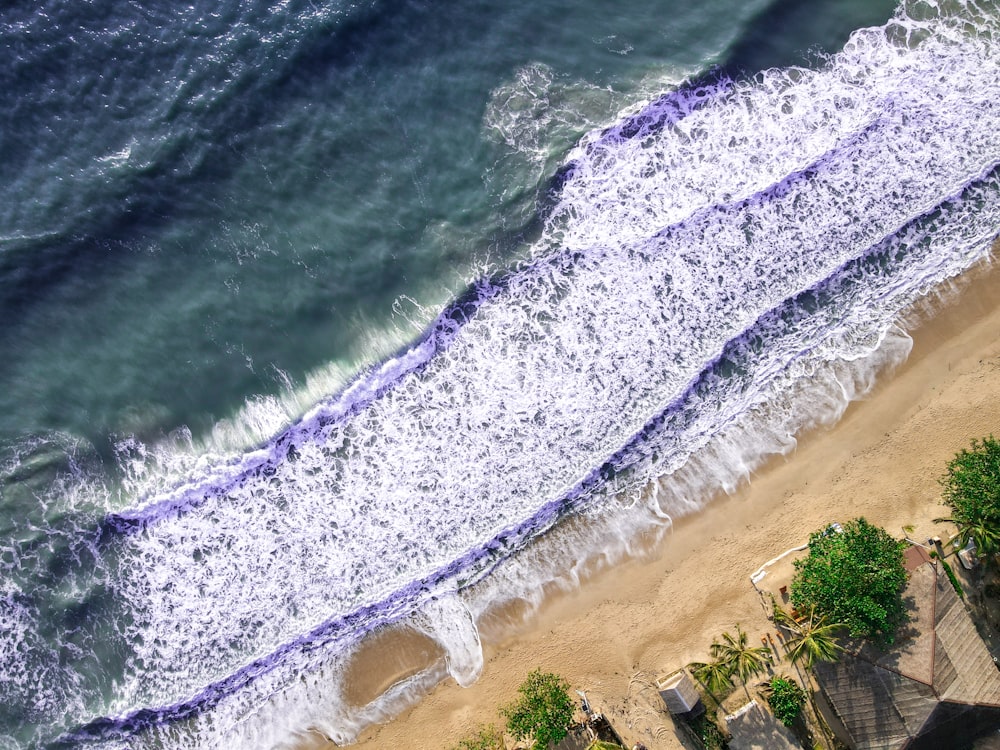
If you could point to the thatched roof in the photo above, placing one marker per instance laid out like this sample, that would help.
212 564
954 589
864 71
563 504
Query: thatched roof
937 687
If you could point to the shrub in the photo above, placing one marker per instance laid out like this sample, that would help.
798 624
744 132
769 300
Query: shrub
855 577
543 712
786 699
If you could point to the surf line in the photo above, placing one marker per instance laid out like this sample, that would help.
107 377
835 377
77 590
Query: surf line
439 335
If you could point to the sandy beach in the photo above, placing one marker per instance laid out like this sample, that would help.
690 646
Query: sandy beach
646 617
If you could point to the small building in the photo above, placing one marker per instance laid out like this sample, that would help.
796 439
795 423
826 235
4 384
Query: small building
938 687
680 695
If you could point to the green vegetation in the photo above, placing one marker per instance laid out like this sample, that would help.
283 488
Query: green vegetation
543 712
786 699
972 491
855 576
742 659
731 657
485 737
708 733
714 675
954 580
810 639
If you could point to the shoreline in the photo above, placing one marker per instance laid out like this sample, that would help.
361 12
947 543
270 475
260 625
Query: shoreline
646 616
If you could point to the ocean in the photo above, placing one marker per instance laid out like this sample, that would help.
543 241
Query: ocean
324 317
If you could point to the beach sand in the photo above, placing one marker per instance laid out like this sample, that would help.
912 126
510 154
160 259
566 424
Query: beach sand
643 618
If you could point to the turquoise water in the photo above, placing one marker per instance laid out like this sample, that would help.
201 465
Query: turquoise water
319 316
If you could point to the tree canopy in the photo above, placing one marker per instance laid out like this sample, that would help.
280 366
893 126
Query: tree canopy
739 657
972 491
543 711
810 639
854 576
714 675
734 656
786 699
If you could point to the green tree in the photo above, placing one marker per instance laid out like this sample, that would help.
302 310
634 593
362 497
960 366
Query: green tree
786 699
972 491
854 576
740 658
811 639
485 737
708 733
714 675
733 656
543 711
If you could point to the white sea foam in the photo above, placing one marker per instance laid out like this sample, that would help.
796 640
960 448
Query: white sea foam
449 622
704 291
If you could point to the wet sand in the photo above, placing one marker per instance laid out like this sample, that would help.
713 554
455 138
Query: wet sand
646 617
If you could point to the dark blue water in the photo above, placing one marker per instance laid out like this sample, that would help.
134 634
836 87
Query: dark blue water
317 314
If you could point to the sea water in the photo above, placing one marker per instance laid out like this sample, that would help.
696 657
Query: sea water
322 317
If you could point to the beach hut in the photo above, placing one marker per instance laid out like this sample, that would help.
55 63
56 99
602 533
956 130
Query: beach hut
680 695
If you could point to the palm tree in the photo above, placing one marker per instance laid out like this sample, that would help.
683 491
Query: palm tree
979 527
812 639
741 658
716 675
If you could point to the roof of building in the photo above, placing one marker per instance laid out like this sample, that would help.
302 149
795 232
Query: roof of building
937 681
